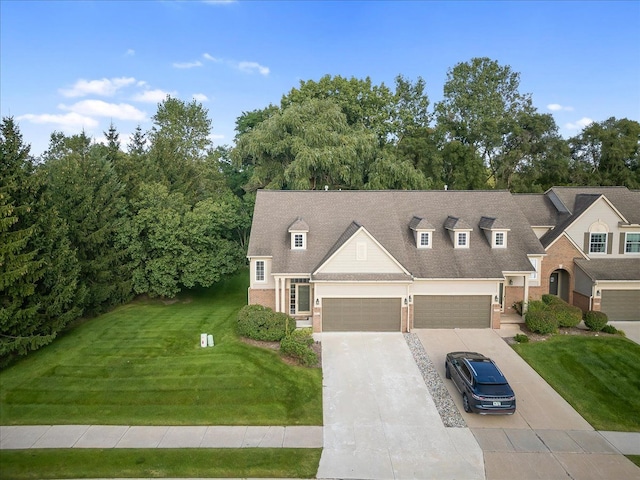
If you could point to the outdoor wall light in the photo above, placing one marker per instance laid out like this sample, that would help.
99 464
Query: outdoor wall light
496 298
511 281
406 301
597 293
317 302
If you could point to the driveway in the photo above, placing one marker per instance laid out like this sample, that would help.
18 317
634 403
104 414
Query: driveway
546 437
380 421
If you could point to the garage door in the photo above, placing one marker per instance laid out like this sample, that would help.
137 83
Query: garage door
361 314
451 311
621 304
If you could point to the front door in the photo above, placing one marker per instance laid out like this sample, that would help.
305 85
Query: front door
553 283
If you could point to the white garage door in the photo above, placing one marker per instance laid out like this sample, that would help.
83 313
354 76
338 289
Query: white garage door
452 311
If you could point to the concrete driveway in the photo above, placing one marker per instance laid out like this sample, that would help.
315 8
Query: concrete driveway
546 437
631 329
380 421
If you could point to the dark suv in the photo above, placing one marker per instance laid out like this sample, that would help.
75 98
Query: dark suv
482 385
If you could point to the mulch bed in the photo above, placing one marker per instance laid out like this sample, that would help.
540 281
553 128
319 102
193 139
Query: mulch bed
275 346
581 331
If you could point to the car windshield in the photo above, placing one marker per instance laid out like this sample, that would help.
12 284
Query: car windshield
493 389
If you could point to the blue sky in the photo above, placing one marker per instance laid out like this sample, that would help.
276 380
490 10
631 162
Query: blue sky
73 65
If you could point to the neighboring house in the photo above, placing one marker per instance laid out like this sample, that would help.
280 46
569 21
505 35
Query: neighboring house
397 260
591 236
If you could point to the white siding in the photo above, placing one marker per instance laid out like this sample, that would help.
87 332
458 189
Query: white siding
375 260
359 290
268 279
454 287
540 231
602 212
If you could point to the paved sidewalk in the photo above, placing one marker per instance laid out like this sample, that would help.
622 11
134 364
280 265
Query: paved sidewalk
116 436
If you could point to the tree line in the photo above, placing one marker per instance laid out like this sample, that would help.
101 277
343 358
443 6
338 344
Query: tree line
87 226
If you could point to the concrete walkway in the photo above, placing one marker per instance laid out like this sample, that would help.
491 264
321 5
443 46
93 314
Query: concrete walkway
116 436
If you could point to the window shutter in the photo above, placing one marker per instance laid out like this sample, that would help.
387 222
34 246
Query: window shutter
609 243
586 242
622 243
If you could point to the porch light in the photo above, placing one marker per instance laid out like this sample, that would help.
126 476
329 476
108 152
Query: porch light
511 281
317 302
597 293
496 298
406 301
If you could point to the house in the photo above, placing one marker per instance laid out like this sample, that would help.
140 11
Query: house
397 260
591 236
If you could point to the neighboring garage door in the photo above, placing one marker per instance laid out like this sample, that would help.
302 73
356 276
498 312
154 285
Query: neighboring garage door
621 305
451 311
361 315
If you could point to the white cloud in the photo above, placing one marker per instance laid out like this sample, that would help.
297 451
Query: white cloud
211 58
583 122
130 52
555 107
98 108
105 87
152 96
71 119
200 97
252 67
197 63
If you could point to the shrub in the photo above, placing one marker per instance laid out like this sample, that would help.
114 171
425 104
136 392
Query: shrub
521 338
262 323
595 321
609 329
549 299
517 306
541 320
298 345
567 315
536 306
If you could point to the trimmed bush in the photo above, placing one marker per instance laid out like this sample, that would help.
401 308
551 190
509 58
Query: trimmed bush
298 345
609 329
549 299
540 320
521 338
567 315
595 321
262 323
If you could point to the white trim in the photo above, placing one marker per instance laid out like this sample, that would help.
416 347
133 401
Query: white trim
264 271
467 239
419 234
303 236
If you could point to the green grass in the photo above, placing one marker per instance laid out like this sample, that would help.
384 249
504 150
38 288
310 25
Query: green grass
635 459
598 376
142 364
158 463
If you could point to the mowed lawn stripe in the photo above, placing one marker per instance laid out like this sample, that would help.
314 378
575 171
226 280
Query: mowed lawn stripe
142 364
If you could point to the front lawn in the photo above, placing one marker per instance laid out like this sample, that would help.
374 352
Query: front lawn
142 364
158 463
599 376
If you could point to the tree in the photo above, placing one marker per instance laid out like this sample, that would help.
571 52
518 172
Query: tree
306 146
174 245
90 198
483 108
607 153
38 269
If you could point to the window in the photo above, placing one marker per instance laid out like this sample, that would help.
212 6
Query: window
299 296
499 239
259 270
462 239
298 241
598 243
632 243
425 240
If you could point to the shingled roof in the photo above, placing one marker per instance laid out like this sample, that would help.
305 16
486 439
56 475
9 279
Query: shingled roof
611 268
334 216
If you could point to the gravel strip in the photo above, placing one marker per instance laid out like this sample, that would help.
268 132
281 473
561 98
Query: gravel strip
448 411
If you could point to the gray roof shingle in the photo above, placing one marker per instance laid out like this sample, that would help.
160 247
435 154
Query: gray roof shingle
334 216
610 268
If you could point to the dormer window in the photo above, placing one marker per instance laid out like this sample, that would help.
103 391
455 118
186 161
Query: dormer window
462 240
298 231
460 231
422 231
425 240
495 231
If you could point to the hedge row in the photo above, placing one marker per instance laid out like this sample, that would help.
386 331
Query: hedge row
546 315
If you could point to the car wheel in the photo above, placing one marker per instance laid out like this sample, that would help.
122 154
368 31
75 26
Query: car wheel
465 403
447 373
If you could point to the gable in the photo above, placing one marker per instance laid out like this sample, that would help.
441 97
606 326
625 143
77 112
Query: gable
361 253
599 217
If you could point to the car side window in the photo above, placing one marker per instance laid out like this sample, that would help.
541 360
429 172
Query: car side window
465 371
